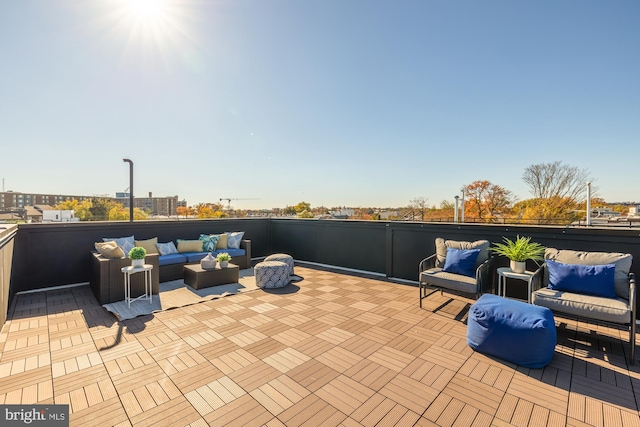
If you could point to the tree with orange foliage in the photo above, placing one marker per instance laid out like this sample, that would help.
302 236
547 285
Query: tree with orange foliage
486 201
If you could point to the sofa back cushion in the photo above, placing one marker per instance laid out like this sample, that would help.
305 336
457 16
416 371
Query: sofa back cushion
582 279
149 245
622 265
190 246
442 245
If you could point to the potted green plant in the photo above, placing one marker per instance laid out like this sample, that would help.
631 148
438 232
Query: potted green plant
519 251
223 258
137 255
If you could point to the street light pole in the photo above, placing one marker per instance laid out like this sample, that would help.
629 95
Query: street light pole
130 188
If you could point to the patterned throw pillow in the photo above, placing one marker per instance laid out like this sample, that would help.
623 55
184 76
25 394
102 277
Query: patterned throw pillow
209 242
234 239
167 248
125 243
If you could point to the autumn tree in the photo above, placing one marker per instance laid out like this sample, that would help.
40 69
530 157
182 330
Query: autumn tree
305 214
486 200
302 206
120 213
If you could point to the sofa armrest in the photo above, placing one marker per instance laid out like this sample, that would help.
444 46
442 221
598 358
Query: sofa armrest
483 278
427 263
537 280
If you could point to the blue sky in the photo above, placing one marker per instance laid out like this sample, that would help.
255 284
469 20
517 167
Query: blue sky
334 102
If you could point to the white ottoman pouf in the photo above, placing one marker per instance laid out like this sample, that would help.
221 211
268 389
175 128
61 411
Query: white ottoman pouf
287 259
271 274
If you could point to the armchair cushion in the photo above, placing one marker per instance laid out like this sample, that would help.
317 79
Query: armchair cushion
461 261
442 245
621 261
457 282
583 279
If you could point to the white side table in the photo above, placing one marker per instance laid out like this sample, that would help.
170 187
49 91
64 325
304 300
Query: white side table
505 273
148 291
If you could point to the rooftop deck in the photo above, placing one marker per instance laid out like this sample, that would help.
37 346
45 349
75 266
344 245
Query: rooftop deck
333 349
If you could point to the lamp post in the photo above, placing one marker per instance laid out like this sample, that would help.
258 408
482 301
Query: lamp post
130 188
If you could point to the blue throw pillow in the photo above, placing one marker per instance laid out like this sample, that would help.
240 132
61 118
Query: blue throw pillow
167 248
234 239
582 279
461 261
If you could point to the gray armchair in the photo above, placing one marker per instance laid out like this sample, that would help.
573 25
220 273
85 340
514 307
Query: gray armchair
618 308
432 275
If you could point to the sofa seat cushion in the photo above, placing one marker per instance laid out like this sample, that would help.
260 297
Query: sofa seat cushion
197 256
616 310
458 282
172 259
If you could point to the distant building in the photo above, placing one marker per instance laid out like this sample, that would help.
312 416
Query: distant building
163 206
11 201
55 215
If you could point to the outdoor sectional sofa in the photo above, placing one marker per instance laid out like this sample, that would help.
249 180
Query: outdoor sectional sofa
107 279
172 266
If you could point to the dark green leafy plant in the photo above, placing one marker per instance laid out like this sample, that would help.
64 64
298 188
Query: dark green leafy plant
520 249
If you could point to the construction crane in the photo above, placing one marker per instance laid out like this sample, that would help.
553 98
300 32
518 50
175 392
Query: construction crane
229 199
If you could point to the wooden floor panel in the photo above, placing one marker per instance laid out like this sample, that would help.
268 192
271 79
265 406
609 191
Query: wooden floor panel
338 350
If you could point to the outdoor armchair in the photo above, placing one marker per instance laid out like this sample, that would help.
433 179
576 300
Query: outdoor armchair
455 268
592 285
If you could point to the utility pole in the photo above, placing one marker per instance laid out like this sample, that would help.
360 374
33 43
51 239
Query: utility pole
130 188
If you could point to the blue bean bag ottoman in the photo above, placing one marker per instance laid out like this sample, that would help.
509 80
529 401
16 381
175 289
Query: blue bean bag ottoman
515 331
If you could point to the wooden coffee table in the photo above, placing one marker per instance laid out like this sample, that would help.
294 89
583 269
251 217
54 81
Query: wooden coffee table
198 278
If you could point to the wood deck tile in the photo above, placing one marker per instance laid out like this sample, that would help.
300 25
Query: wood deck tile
361 346
107 413
313 347
245 411
344 394
254 375
286 359
370 374
335 335
175 412
549 396
234 361
339 358
291 336
312 374
265 347
410 393
25 379
76 380
309 411
129 381
391 358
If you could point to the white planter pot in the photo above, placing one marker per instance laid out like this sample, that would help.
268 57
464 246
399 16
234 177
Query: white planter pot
517 266
137 262
224 264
